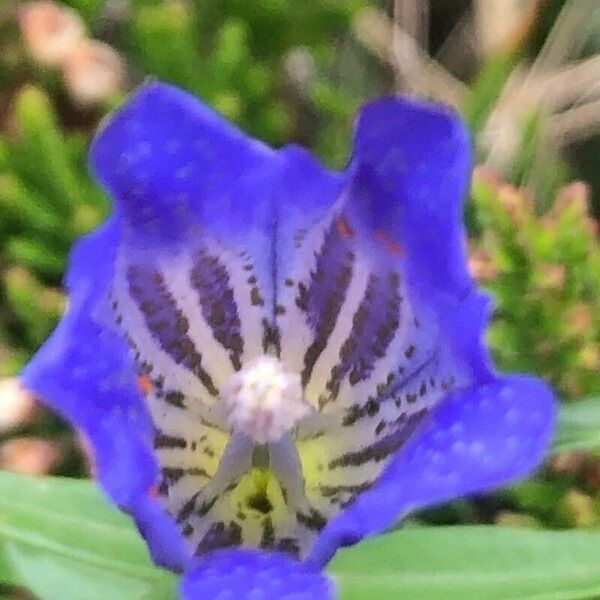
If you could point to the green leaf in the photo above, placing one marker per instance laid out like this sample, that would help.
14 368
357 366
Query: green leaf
61 539
43 152
471 563
486 89
578 426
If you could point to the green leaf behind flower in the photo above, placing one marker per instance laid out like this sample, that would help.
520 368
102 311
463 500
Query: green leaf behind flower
578 426
471 563
61 539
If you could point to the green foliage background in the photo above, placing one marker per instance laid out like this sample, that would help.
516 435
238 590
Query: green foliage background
536 251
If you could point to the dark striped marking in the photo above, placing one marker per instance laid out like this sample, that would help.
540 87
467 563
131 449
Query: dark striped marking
209 277
162 440
381 448
163 488
333 490
166 322
187 509
174 474
220 535
322 298
373 328
174 398
313 520
206 506
395 386
271 339
288 545
255 297
267 539
356 412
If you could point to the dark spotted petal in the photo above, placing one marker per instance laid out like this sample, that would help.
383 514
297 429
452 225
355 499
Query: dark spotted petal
253 575
478 439
381 317
84 371
411 170
222 250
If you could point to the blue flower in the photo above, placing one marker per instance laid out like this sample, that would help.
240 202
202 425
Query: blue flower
265 354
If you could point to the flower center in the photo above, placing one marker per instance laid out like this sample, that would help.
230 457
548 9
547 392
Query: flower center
264 400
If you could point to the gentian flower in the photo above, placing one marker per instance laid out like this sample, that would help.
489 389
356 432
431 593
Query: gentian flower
272 360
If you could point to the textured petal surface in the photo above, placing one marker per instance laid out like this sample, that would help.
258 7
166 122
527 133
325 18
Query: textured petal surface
412 165
166 158
253 575
477 439
420 155
207 221
382 319
222 250
84 371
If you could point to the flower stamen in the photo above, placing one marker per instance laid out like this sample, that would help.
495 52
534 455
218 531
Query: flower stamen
264 400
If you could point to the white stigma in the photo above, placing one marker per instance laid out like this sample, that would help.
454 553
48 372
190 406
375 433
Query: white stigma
263 400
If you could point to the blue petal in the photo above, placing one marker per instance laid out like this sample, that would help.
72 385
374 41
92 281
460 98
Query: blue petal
478 439
385 318
166 156
183 178
420 155
396 211
409 175
311 265
304 195
253 575
163 537
179 173
85 372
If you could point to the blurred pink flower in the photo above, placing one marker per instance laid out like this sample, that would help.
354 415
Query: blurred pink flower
31 456
18 406
93 71
50 31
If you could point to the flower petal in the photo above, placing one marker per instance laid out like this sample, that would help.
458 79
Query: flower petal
223 250
388 252
253 575
198 206
420 155
382 318
165 157
208 224
412 167
85 372
476 440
